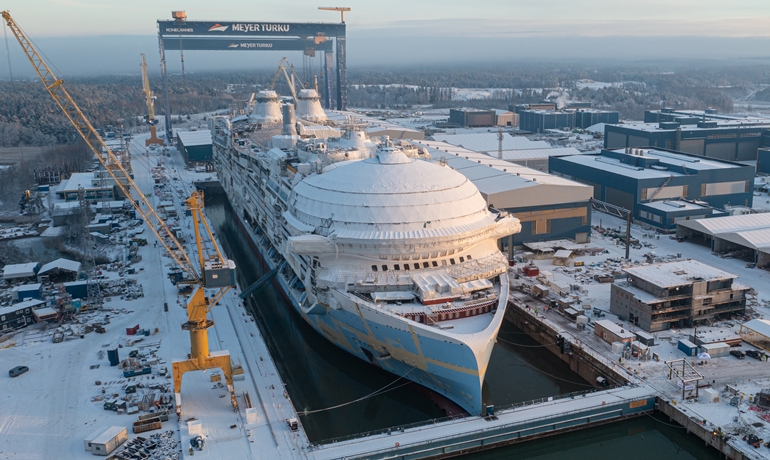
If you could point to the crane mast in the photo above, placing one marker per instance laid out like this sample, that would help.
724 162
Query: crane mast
216 273
150 98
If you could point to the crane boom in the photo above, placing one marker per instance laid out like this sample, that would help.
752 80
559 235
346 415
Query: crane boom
149 97
282 64
86 131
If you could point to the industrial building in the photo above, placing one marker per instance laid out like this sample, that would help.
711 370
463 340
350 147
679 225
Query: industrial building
660 186
93 187
725 139
60 270
195 146
763 160
549 207
27 291
539 121
471 118
103 442
745 236
676 294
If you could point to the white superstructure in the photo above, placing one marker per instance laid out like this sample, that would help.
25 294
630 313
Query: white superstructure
391 256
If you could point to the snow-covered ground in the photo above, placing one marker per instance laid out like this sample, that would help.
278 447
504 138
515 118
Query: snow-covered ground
748 375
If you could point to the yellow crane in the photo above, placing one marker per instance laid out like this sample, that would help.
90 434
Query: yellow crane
150 98
341 9
215 271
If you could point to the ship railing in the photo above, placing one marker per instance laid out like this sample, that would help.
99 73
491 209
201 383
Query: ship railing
486 267
498 410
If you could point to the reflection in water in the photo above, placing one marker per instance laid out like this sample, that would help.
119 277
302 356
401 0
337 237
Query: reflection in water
319 375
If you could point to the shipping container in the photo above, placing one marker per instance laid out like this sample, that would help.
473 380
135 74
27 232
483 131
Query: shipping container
107 441
716 350
687 347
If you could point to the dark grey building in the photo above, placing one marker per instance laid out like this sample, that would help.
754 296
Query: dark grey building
472 118
195 146
589 117
538 121
18 315
736 139
763 160
660 186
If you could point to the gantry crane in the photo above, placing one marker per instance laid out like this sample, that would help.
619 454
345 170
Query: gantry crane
215 271
341 9
150 98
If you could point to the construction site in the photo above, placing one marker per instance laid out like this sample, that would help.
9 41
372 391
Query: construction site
159 355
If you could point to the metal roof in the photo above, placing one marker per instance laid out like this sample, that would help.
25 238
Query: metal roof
194 138
680 273
760 326
61 264
728 224
488 142
531 154
20 270
20 306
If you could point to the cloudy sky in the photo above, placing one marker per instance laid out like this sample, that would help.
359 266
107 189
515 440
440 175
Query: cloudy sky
105 36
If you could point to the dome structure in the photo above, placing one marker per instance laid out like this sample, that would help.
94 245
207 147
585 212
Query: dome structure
388 193
267 108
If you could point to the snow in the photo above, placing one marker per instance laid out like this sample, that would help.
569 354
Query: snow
62 264
13 271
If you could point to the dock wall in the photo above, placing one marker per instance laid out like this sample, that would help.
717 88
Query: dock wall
580 361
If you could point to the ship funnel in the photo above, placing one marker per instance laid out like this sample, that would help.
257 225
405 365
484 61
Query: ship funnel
267 108
309 106
289 120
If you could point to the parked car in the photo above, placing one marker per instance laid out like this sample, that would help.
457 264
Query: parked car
755 354
740 354
17 371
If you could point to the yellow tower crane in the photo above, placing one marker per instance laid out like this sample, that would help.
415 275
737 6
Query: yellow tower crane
215 271
150 98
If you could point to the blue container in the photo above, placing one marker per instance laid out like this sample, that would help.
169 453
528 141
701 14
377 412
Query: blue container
687 347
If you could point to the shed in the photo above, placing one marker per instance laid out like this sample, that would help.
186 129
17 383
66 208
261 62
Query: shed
77 289
757 333
60 270
687 347
106 441
611 332
645 338
27 291
21 271
716 350
562 257
196 146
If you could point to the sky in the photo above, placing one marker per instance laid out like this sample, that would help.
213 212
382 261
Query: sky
85 37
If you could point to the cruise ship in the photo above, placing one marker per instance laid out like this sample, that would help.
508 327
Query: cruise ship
389 254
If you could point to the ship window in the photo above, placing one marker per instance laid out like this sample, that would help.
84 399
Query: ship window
462 259
443 253
443 263
405 256
469 256
416 266
384 268
397 267
425 256
406 267
434 254
425 265
374 268
434 263
452 261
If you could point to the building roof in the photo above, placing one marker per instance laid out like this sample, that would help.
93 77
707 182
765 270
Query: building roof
61 264
20 306
27 287
508 185
535 154
194 138
749 230
615 329
679 273
108 435
20 270
488 142
760 326
675 205
721 124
